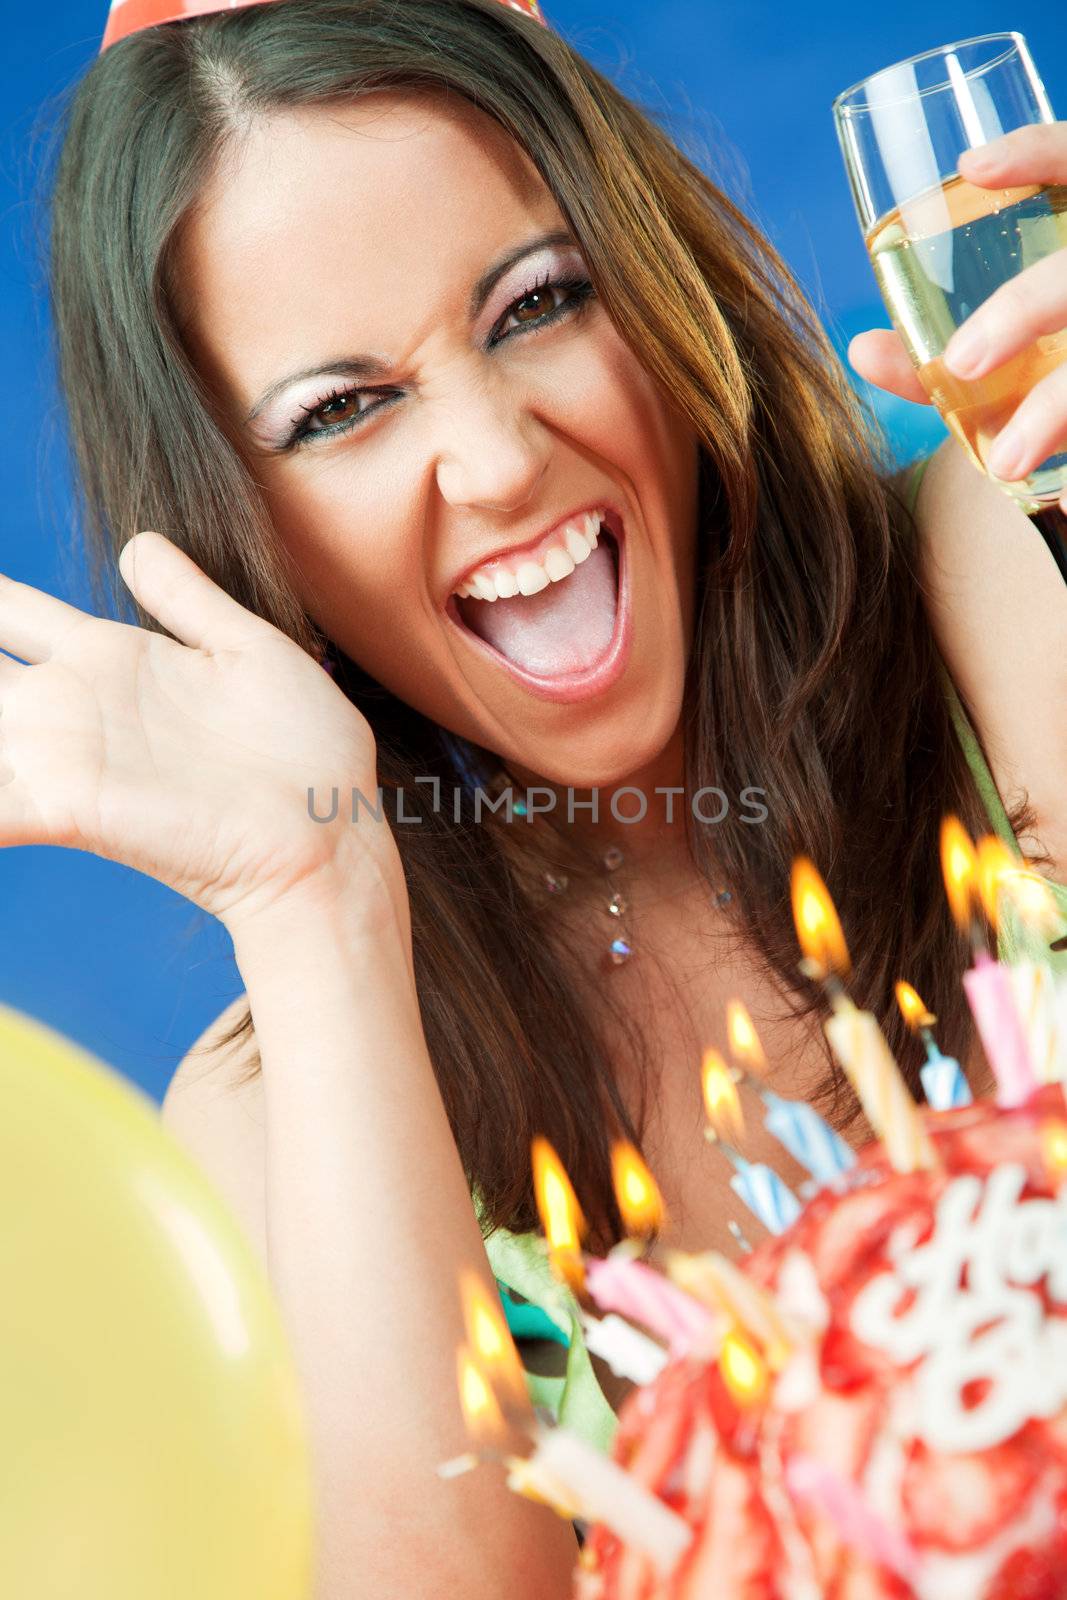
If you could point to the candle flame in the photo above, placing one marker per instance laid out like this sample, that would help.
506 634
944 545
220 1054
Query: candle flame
1054 1148
994 863
640 1201
721 1099
959 868
816 919
717 1283
1033 898
489 1336
561 1215
910 1002
744 1374
481 1410
744 1041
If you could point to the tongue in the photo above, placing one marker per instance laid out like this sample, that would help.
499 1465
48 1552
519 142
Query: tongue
564 628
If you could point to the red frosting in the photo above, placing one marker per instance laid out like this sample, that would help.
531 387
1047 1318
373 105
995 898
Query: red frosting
934 1390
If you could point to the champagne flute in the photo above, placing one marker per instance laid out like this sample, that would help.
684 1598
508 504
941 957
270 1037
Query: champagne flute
940 246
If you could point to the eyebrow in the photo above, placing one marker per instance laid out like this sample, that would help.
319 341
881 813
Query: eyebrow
373 366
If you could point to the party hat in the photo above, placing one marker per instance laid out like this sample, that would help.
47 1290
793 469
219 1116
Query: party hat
130 16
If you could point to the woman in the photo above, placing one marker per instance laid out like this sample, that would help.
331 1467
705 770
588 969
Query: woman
363 304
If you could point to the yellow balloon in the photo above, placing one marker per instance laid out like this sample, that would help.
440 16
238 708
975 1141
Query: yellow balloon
152 1437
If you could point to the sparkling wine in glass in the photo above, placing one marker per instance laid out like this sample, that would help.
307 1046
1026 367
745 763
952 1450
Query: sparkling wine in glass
939 245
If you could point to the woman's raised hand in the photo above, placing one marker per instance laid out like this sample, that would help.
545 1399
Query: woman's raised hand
189 761
1029 305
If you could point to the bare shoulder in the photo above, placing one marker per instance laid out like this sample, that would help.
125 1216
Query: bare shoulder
998 608
220 1120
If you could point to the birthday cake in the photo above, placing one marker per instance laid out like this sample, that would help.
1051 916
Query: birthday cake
896 1424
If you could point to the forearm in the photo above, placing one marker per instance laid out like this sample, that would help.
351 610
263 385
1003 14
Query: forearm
369 1222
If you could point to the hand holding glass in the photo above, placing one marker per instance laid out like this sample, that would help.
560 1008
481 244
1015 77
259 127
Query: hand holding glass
940 246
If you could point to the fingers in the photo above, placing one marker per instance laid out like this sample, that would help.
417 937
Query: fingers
171 586
32 622
1028 307
880 358
1037 430
1035 302
1034 154
166 581
1016 314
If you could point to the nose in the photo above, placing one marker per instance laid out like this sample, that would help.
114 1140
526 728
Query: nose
494 450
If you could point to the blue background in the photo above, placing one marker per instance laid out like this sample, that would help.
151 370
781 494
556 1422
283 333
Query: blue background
114 959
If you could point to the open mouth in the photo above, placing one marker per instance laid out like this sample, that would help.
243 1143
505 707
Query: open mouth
571 632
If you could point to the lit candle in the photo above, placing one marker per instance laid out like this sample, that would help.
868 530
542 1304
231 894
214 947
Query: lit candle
942 1077
489 1334
640 1202
968 874
619 1283
808 1137
1033 983
860 1045
759 1186
1053 1138
567 1474
856 1523
628 1353
1034 992
561 1215
743 1373
762 1190
579 1481
796 1125
714 1279
854 1035
992 1002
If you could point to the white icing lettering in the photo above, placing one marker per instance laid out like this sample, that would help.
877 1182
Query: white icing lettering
974 1317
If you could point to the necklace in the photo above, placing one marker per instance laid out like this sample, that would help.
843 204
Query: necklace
619 948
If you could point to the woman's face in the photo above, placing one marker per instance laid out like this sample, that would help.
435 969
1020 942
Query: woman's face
503 406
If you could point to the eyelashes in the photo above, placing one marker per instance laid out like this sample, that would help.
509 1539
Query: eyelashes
578 291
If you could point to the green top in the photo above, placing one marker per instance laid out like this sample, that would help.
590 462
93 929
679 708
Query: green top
547 1309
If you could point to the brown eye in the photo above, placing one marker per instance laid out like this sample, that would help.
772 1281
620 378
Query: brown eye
335 410
538 301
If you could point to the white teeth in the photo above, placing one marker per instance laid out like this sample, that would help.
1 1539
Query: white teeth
532 578
579 540
578 545
558 563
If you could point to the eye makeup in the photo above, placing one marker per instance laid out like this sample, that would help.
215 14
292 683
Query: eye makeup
555 289
314 422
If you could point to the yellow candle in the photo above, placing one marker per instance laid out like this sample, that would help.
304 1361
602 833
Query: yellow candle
861 1047
1034 988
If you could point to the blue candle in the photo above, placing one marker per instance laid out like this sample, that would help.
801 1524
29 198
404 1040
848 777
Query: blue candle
807 1136
942 1078
762 1191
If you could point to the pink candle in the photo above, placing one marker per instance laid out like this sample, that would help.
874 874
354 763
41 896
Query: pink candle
638 1291
857 1524
992 1002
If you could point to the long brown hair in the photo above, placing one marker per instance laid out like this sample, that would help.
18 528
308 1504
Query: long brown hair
814 673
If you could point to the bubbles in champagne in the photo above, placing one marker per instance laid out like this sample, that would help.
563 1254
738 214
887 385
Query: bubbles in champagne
937 259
